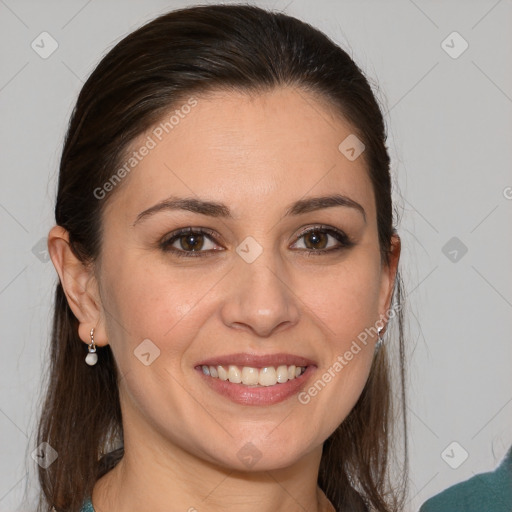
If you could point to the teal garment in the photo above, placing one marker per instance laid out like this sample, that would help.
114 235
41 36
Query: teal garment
485 492
87 506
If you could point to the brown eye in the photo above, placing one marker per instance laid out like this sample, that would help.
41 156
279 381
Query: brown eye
191 242
316 240
322 240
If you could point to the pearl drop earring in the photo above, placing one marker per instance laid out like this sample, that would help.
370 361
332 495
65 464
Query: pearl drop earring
92 358
380 340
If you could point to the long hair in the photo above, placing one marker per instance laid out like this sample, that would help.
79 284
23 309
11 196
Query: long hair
152 70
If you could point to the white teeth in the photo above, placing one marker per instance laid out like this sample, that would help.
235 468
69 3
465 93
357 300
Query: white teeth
223 374
234 374
250 376
268 376
282 374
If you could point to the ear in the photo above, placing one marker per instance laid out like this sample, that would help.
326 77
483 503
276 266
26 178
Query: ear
388 278
80 286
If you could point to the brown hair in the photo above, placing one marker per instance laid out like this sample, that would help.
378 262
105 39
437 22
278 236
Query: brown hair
179 54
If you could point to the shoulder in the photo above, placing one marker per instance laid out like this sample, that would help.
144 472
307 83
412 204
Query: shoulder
478 493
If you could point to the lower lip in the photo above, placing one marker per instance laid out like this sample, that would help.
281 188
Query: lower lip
258 395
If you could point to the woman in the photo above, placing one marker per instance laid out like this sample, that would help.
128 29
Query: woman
228 266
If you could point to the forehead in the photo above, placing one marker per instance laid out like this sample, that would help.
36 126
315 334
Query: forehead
248 151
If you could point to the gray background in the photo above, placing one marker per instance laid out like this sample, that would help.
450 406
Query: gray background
450 125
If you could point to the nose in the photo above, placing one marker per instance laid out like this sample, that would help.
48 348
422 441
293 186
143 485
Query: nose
260 299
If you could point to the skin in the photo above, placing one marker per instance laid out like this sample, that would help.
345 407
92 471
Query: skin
256 154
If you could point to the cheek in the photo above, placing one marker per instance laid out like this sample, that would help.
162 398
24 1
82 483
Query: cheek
344 302
152 302
345 299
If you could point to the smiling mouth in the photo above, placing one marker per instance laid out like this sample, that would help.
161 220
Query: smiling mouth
254 377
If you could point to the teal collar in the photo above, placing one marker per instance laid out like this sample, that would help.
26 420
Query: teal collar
87 506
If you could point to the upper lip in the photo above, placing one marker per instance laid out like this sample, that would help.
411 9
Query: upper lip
257 361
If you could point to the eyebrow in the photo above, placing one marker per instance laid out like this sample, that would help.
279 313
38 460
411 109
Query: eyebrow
215 209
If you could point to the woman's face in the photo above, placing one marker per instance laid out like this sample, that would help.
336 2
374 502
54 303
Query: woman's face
246 290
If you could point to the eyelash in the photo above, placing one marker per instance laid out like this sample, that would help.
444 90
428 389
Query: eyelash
165 245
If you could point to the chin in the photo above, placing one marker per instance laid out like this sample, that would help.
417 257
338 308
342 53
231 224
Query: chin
255 456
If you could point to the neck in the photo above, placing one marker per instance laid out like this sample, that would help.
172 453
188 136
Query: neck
147 479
